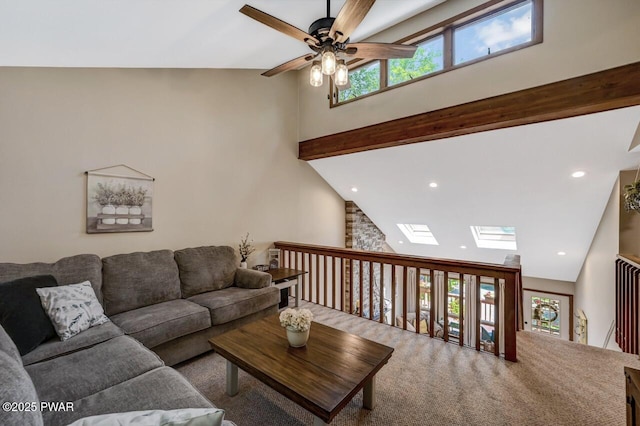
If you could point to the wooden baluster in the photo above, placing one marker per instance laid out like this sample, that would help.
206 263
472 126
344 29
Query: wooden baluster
371 284
417 300
350 286
342 289
381 319
478 309
317 284
333 282
404 298
295 266
618 301
509 316
361 286
461 313
393 294
445 312
324 299
432 298
304 277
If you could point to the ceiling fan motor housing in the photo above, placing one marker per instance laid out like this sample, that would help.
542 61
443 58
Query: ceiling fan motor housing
320 28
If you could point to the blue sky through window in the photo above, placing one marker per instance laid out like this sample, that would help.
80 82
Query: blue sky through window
480 38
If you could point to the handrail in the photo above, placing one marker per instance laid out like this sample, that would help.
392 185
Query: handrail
467 267
350 280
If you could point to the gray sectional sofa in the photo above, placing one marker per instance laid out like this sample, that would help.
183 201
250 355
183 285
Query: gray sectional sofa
163 307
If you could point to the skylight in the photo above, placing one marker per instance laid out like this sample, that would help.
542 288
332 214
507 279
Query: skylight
418 234
495 237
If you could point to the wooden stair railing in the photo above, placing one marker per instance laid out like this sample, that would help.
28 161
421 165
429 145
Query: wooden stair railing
417 286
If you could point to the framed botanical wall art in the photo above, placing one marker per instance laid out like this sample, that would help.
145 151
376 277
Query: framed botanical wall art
119 199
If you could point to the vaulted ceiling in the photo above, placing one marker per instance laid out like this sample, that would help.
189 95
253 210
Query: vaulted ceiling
512 177
169 33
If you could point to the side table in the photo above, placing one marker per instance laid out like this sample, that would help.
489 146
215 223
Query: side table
284 279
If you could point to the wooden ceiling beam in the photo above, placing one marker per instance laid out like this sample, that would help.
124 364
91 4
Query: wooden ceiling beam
601 91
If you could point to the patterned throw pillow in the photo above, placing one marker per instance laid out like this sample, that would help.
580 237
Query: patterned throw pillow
72 308
181 417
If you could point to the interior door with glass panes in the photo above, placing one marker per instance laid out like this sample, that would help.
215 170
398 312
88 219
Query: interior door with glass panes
546 313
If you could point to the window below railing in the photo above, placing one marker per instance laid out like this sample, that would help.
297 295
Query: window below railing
470 304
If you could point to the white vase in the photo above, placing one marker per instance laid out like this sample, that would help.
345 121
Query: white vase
297 339
108 209
122 210
243 265
135 210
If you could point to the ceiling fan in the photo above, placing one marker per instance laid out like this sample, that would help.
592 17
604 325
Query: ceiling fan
329 37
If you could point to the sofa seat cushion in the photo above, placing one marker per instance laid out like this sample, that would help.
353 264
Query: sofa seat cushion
159 323
160 389
54 348
205 269
16 386
134 280
232 303
86 372
8 346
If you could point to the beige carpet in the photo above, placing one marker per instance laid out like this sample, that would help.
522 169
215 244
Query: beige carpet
429 382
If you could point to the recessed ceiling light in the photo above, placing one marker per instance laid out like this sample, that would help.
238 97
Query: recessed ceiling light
578 174
561 253
400 242
433 185
463 247
354 189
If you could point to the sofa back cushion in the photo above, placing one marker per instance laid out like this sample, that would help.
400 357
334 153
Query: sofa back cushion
205 269
68 270
17 387
134 280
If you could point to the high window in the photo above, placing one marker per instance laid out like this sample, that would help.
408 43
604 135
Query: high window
492 29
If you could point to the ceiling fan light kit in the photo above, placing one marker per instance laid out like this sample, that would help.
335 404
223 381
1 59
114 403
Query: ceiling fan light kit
328 62
341 77
329 37
315 77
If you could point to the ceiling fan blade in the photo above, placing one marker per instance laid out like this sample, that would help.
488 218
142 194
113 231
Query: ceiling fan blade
288 66
349 17
278 25
380 50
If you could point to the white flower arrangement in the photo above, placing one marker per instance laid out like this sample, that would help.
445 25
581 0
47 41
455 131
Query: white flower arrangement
299 320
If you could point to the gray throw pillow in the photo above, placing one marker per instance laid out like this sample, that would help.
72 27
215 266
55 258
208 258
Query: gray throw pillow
72 308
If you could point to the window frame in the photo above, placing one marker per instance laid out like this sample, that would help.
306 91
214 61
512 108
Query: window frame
446 29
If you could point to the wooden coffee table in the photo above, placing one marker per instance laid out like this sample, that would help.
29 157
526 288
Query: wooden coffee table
322 376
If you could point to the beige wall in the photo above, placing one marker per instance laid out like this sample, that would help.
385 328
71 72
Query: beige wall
543 284
222 145
595 286
580 37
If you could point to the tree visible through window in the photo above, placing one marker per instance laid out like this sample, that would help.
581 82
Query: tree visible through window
427 59
363 80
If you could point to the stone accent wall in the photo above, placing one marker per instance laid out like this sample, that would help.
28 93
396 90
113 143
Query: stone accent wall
361 233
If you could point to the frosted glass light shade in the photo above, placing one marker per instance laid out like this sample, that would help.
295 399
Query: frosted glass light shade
328 63
341 76
315 76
